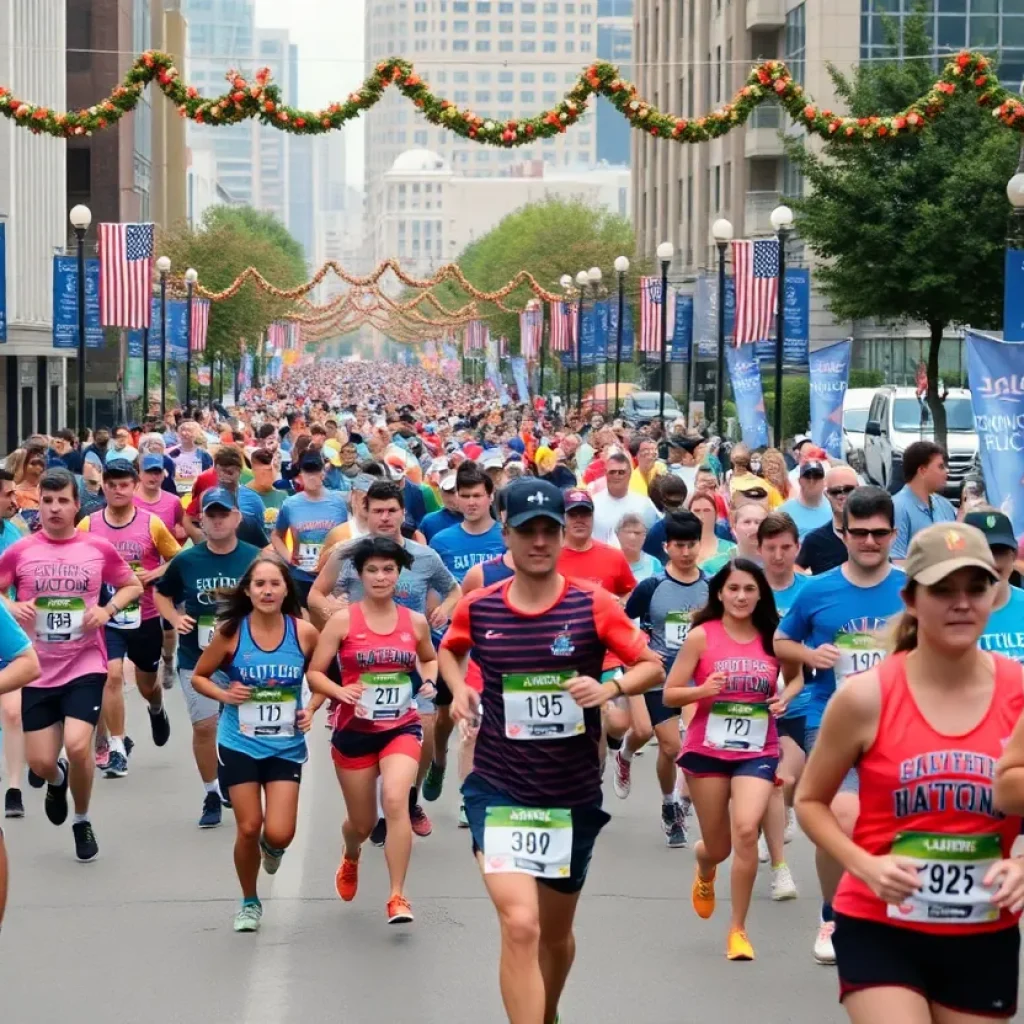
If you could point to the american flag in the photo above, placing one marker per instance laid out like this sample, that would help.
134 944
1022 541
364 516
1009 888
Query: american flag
503 347
276 337
477 335
199 325
650 313
126 274
756 265
531 328
563 326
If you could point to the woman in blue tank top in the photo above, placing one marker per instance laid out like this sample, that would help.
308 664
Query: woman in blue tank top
263 646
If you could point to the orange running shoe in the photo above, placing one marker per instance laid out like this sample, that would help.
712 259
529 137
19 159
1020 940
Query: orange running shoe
346 880
399 910
702 895
738 946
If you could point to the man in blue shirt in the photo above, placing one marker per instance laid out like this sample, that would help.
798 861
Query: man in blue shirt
920 502
9 532
809 509
434 522
1004 633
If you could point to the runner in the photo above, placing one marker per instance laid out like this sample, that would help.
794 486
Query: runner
377 733
728 668
927 910
534 797
263 646
189 459
58 574
837 627
356 525
665 605
264 475
1004 632
190 583
145 544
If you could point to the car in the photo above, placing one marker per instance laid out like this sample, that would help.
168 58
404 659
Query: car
856 403
897 418
643 406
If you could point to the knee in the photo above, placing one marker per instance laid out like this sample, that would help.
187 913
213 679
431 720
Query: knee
640 736
668 744
744 835
115 680
78 747
277 837
205 731
395 802
520 926
249 828
10 717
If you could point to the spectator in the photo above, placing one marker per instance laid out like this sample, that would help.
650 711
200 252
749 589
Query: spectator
714 551
611 504
682 461
773 469
631 534
824 548
648 465
64 446
668 495
809 509
919 503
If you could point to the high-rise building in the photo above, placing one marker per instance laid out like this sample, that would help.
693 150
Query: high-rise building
271 190
615 45
301 197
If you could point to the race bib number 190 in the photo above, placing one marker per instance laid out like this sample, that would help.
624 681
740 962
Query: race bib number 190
528 840
858 652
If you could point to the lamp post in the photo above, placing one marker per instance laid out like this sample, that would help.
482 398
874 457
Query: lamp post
566 282
665 253
721 230
782 221
594 276
81 218
1013 315
163 266
190 282
621 268
540 386
581 284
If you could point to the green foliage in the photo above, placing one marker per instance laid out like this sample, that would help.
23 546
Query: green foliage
866 378
796 404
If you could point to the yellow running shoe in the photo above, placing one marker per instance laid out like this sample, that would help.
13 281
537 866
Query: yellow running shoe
738 946
702 895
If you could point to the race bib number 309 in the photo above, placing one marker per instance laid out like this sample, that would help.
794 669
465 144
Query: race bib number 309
528 840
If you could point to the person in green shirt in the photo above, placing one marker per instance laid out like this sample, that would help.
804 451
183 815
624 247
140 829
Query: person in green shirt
263 484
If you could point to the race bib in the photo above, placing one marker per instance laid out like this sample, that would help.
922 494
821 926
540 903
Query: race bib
386 696
528 840
205 629
308 556
734 726
183 483
952 870
129 617
858 652
537 708
677 627
59 619
269 712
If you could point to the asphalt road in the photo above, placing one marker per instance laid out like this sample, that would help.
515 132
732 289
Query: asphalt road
144 934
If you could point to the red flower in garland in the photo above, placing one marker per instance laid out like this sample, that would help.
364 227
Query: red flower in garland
981 80
947 87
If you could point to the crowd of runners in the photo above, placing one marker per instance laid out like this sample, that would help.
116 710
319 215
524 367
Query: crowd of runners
494 598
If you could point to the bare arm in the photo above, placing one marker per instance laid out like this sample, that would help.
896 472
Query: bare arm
678 690
327 647
277 542
1009 785
322 602
181 622
308 636
192 529
219 650
425 652
21 671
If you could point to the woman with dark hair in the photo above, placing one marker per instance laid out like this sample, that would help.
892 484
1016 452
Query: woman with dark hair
377 729
26 484
263 645
727 667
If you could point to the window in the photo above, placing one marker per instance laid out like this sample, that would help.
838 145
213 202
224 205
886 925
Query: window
550 7
549 28
506 8
795 54
460 7
528 7
527 77
505 77
483 26
461 96
526 97
528 27
483 46
506 26
460 76
460 26
718 188
482 96
506 45
460 45
585 46
483 77
570 46
549 46
483 6
570 28
550 96
506 96
419 26
419 139
585 27
550 78
527 46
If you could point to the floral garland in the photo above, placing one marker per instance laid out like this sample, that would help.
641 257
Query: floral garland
261 98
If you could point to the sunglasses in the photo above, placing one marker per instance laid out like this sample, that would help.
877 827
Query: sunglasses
861 534
838 492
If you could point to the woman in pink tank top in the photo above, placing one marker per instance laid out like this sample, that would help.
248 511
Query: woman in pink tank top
378 645
727 669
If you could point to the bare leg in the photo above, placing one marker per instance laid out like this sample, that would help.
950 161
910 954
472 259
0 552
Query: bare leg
247 803
750 797
78 743
557 948
14 738
398 773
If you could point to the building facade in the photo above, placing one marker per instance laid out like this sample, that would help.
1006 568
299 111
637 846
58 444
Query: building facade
615 45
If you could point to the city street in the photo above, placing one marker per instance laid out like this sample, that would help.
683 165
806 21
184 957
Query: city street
144 934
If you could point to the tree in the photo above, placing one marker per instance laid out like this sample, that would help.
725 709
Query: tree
910 229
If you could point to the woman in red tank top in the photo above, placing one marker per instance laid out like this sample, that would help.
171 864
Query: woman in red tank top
377 733
927 911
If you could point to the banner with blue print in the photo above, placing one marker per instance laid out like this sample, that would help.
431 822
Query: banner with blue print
745 374
613 331
588 337
135 341
65 303
1013 296
705 314
830 373
796 338
682 333
519 375
3 283
177 329
996 377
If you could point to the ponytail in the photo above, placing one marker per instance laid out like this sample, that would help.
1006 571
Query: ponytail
904 633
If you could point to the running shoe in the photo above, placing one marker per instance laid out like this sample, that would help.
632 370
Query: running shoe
687 805
676 838
738 946
762 849
783 886
790 830
160 726
622 776
823 951
421 824
346 879
211 816
167 673
434 782
702 895
14 807
248 918
463 820
271 858
379 833
86 847
102 754
35 781
129 746
56 803
117 765
399 910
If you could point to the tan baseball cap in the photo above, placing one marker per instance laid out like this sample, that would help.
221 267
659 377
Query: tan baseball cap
941 549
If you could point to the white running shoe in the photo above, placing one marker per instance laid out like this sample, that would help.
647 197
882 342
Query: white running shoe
823 951
783 886
762 849
790 831
622 772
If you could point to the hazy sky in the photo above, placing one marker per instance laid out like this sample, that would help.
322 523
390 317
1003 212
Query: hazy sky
330 41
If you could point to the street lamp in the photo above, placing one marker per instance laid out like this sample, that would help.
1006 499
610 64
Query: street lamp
582 279
721 231
81 218
782 221
163 266
190 282
594 276
665 253
566 282
621 268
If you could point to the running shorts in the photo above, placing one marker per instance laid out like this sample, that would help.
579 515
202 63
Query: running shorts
969 974
142 647
236 769
43 706
795 728
657 710
478 795
702 766
354 750
200 707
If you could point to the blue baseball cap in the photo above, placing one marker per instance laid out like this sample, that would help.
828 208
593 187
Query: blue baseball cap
219 496
151 461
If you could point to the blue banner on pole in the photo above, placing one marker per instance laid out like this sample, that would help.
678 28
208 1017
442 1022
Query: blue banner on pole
1013 296
997 396
682 334
705 314
745 373
3 283
519 375
135 338
177 326
830 372
65 303
613 331
588 338
797 337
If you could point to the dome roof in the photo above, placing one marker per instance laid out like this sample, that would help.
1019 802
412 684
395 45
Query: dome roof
419 160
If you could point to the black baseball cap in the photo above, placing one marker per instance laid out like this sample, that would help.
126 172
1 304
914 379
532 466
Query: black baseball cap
526 499
311 460
997 528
